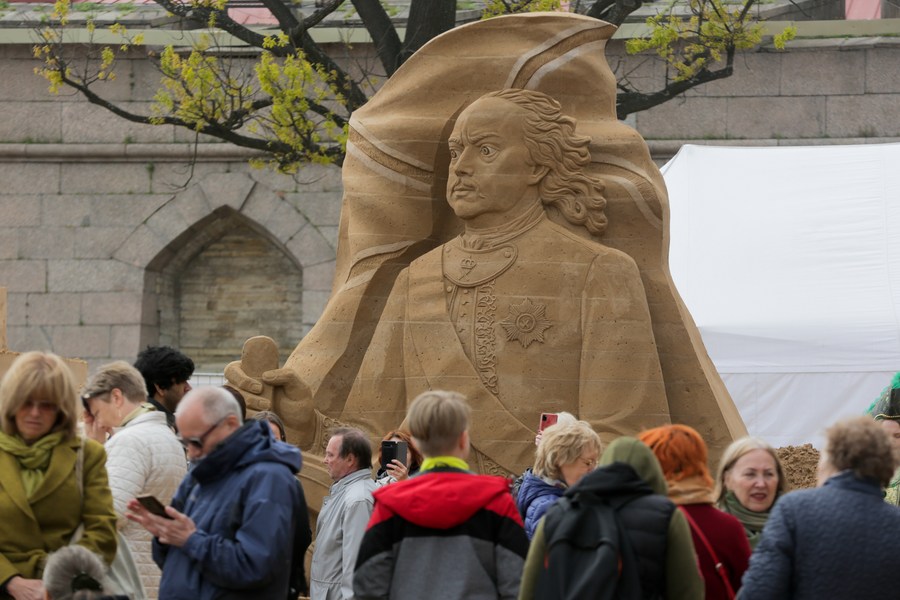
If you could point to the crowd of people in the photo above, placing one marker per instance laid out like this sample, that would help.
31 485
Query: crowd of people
141 487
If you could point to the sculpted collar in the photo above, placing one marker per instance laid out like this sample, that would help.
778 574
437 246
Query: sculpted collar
476 257
479 239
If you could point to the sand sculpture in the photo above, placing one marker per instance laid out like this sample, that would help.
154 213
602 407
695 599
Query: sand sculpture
534 305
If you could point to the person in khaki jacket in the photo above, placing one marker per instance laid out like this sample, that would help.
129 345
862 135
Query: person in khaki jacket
41 502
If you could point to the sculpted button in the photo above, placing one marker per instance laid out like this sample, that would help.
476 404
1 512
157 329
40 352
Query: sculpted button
449 288
507 253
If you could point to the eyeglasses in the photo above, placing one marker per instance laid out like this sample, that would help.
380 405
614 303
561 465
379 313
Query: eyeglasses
89 396
197 442
44 406
590 463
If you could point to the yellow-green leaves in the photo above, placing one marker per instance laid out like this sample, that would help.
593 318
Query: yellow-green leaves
301 114
101 60
495 8
695 42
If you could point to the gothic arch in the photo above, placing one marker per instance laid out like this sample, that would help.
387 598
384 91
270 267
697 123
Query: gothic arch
229 213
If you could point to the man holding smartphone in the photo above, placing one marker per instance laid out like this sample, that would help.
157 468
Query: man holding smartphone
230 529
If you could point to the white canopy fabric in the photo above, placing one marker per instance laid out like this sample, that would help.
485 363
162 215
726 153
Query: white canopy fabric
789 261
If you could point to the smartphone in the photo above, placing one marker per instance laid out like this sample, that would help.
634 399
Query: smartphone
391 450
547 419
153 505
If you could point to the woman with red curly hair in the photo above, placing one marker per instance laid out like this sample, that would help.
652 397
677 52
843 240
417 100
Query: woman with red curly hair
719 539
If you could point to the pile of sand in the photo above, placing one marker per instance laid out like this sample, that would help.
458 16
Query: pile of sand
800 465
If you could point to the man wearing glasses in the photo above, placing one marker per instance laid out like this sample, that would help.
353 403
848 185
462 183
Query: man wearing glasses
230 528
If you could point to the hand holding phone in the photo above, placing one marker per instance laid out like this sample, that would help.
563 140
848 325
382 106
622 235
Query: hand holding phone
391 450
154 506
547 419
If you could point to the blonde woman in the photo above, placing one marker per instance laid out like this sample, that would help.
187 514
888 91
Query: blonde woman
144 458
565 454
749 481
42 503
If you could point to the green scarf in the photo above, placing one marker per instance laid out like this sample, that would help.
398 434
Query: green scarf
752 521
34 459
433 462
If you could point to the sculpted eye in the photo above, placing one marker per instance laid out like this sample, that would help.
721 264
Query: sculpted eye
453 154
487 151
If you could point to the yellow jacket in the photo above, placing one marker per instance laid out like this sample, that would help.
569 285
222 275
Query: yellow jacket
31 529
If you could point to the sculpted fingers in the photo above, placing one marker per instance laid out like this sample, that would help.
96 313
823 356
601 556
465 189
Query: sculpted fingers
235 375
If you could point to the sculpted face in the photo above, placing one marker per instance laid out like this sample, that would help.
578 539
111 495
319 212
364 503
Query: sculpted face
492 178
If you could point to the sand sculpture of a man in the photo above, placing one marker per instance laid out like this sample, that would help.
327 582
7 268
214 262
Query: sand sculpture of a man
518 313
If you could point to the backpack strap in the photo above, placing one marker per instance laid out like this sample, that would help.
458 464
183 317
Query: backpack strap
720 568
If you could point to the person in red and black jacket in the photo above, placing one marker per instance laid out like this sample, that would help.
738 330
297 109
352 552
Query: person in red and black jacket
421 537
718 537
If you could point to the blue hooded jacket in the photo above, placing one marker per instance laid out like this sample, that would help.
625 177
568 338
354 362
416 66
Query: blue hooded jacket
535 497
244 499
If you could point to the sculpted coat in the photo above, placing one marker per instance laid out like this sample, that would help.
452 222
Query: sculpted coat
544 321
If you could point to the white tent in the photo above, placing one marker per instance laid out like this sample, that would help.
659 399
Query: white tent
789 261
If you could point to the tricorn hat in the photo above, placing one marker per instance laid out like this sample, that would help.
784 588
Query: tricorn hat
888 404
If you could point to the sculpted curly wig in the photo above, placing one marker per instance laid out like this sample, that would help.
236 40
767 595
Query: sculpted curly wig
552 143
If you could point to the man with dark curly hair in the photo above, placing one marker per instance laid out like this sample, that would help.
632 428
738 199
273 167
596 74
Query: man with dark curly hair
166 372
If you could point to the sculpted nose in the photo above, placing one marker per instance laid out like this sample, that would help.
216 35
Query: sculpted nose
463 164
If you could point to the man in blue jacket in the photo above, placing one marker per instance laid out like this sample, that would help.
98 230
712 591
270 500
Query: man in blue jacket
230 529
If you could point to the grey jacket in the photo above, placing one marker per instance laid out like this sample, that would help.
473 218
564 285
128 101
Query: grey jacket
339 532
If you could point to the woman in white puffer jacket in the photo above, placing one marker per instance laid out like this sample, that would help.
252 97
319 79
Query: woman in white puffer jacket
144 458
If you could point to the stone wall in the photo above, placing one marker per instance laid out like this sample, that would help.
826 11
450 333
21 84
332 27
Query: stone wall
110 240
818 91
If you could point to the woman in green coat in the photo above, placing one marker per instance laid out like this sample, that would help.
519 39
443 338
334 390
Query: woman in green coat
42 503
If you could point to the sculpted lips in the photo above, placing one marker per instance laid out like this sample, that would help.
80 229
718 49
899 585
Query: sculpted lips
463 186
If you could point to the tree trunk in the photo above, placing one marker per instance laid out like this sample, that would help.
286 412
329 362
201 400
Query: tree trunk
427 19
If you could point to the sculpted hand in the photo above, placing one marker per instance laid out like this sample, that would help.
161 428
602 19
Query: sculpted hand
173 532
292 401
397 470
25 589
267 387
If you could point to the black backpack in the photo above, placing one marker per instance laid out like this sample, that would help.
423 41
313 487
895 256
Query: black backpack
588 555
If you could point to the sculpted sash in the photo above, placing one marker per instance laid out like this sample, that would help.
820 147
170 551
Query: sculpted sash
494 431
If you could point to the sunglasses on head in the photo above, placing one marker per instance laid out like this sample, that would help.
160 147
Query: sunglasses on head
89 396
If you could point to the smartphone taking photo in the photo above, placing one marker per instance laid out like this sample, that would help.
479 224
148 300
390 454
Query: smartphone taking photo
391 450
547 419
